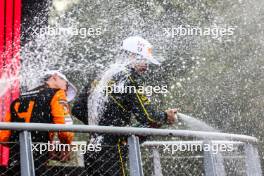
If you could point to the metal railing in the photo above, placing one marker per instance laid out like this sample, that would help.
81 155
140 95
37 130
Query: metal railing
213 164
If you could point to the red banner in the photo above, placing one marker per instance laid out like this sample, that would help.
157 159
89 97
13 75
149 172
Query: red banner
10 22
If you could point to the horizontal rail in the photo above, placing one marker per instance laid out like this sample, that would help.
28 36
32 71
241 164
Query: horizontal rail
126 131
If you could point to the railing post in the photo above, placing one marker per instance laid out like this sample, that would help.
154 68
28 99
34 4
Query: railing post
213 163
26 157
253 166
135 162
156 162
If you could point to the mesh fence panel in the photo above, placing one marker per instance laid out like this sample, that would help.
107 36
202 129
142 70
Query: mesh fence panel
107 161
191 163
112 160
178 164
58 161
234 162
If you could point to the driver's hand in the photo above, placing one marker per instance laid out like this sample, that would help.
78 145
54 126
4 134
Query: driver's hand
171 115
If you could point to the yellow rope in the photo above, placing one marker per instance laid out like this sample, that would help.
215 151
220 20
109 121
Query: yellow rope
121 159
142 105
144 109
121 106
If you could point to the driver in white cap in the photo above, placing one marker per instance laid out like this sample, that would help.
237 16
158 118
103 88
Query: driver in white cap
140 48
47 103
119 110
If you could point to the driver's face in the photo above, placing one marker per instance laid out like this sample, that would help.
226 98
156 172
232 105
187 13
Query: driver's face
60 83
141 67
139 64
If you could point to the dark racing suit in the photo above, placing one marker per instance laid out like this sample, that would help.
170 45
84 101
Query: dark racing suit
44 105
119 111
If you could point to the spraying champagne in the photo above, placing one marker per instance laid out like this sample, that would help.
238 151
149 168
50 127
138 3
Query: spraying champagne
193 123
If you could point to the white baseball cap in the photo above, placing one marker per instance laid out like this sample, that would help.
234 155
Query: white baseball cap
139 46
71 91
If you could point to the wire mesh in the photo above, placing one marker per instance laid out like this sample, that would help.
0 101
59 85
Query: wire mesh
191 163
178 164
234 161
106 161
80 159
